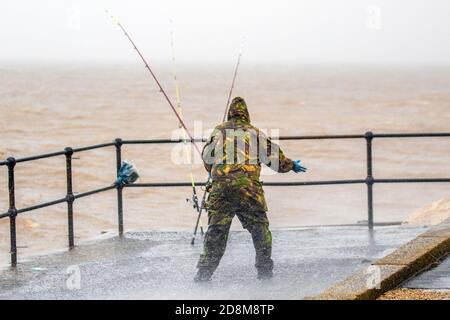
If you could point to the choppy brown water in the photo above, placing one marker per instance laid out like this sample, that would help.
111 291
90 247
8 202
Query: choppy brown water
47 108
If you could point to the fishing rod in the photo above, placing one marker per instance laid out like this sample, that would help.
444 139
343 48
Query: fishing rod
180 111
208 182
234 79
161 89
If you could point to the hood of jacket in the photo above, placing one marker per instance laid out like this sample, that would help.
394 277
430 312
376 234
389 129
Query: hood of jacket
238 110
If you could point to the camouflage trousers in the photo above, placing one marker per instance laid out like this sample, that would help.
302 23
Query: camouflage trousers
217 235
225 201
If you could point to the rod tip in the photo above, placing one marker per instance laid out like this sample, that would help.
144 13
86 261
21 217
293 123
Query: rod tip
113 18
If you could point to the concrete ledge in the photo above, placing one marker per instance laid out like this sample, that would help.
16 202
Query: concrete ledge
441 230
420 251
389 272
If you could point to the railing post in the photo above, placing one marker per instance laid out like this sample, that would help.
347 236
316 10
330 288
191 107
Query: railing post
118 143
69 196
369 179
12 210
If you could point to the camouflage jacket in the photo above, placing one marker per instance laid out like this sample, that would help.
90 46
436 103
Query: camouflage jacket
234 152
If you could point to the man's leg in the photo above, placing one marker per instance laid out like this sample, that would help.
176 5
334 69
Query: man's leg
214 246
258 226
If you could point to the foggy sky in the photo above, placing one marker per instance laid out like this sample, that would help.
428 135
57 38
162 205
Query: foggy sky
282 31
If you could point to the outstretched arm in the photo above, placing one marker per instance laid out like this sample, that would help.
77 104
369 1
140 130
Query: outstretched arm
272 155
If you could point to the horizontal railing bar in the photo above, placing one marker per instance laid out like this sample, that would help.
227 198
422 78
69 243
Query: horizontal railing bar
354 136
312 137
58 201
321 137
42 156
412 180
59 153
374 135
411 135
42 205
291 183
313 183
96 146
4 215
88 193
294 183
163 184
158 141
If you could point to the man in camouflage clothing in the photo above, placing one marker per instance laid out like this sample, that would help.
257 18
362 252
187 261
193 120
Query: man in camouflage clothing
233 156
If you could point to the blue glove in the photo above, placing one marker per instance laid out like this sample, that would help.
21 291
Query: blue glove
127 174
297 167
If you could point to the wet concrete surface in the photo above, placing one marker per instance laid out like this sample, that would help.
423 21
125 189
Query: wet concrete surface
437 278
161 265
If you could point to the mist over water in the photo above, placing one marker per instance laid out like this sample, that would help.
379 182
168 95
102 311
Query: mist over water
48 107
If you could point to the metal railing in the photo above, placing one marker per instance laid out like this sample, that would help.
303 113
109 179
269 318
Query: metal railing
70 197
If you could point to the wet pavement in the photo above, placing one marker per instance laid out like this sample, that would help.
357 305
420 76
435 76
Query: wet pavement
161 265
437 278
